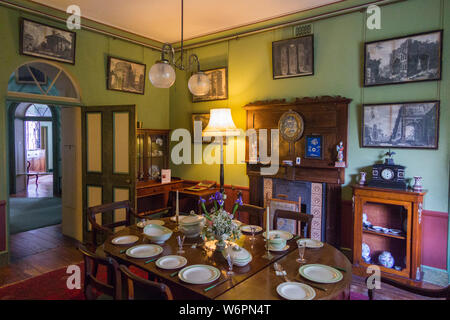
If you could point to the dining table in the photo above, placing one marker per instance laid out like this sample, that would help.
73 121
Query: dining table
255 281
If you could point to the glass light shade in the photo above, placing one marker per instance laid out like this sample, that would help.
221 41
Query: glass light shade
162 74
220 124
199 84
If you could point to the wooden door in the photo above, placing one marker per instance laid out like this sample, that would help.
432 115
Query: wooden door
109 147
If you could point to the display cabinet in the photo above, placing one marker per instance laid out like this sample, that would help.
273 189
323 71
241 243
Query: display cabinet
152 152
388 223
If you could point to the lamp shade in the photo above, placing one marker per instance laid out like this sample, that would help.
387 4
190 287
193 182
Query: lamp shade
162 74
220 124
199 84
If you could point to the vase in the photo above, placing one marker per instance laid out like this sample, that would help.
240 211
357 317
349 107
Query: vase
362 178
417 187
220 245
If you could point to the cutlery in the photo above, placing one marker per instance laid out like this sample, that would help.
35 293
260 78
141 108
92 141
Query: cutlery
122 251
148 261
279 268
218 283
174 273
312 285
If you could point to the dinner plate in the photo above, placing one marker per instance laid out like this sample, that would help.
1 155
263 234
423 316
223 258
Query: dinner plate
279 249
171 262
247 229
121 240
283 234
320 273
296 291
144 251
237 222
174 218
310 243
199 274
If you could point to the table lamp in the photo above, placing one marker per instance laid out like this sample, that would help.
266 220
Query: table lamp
221 125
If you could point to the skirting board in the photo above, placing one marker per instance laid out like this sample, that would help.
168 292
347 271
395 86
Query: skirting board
435 276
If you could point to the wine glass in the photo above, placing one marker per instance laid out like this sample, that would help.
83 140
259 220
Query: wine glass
301 251
180 241
230 265
252 230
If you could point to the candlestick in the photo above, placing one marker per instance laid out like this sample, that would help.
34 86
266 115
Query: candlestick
267 255
177 213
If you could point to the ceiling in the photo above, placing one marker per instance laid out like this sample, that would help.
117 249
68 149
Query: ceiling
160 19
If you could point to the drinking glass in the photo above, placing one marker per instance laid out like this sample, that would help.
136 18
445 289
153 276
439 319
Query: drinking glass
230 265
301 251
252 230
180 241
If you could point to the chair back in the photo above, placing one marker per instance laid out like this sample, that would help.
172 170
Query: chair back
93 282
108 228
255 214
137 288
303 226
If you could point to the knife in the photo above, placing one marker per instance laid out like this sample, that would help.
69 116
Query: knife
148 261
174 274
215 285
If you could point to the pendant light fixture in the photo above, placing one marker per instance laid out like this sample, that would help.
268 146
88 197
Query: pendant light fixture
162 73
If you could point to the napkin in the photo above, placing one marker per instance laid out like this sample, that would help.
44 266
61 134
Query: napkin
280 273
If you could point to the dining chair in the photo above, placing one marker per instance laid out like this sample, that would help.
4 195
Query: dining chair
137 288
108 228
304 219
426 292
255 214
95 287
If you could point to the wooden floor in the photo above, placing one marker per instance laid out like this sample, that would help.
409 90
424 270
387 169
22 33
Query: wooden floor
42 250
44 188
38 251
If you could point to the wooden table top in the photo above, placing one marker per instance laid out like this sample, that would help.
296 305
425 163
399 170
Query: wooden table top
247 281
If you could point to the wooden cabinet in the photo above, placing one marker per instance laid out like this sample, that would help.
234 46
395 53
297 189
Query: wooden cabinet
389 209
153 196
152 153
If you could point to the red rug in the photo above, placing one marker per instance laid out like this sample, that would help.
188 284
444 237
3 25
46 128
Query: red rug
51 286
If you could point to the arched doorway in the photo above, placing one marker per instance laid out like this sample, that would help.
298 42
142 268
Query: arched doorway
40 94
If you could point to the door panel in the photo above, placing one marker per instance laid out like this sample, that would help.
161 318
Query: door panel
109 140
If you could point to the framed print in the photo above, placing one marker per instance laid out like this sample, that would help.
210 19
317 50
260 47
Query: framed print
44 41
405 59
219 85
293 57
25 74
401 125
126 76
313 147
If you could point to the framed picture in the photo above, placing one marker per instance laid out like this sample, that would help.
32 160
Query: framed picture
125 75
405 59
219 85
288 225
43 41
401 125
293 57
313 147
25 74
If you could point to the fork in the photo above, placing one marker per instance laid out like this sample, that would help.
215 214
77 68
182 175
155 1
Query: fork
279 268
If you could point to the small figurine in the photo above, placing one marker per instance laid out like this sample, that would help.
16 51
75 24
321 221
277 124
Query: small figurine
362 178
340 156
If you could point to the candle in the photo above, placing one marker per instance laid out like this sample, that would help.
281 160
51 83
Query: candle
177 209
267 223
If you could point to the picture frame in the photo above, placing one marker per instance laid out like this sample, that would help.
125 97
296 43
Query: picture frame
48 42
219 85
405 59
23 76
293 57
281 204
411 125
126 75
314 147
204 118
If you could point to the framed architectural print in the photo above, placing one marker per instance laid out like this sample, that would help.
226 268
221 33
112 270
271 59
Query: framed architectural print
126 76
219 85
44 41
313 147
401 125
405 59
293 57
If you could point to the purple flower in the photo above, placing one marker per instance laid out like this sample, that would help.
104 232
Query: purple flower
220 202
218 196
201 200
239 201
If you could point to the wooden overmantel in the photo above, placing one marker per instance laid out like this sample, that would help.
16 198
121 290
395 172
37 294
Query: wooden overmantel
326 116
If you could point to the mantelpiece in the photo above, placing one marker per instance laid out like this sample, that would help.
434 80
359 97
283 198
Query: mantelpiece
326 116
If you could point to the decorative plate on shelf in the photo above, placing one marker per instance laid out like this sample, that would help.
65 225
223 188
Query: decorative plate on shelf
291 126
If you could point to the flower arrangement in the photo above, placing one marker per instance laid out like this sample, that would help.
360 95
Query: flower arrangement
220 225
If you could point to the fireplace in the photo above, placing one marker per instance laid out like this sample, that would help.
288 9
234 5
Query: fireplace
317 181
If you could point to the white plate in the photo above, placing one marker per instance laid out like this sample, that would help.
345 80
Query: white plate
199 274
237 222
171 262
125 240
320 273
247 229
144 251
283 234
158 222
310 243
174 218
278 250
296 291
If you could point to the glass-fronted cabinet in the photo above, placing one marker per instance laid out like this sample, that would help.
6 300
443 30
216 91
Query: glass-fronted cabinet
152 153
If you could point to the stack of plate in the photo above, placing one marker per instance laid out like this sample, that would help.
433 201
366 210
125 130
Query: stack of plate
240 256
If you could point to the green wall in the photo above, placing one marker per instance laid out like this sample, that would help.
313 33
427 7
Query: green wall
338 71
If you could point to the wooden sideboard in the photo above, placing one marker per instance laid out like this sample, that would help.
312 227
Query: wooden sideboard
392 209
153 196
